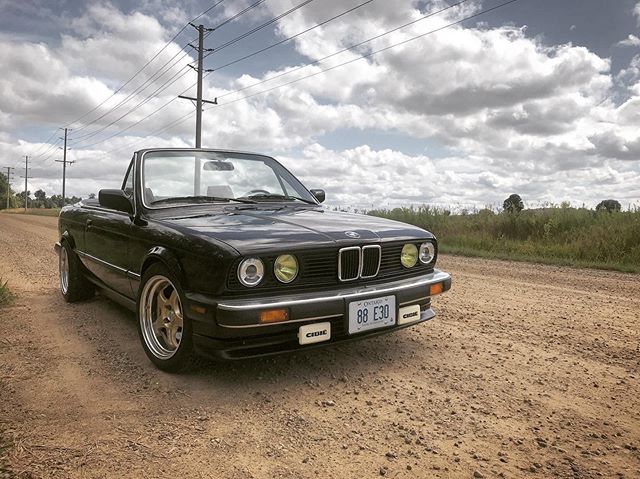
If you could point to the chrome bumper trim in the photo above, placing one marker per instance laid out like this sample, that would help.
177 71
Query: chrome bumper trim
347 293
244 326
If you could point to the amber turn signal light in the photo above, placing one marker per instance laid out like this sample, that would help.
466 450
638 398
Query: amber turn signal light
273 316
435 289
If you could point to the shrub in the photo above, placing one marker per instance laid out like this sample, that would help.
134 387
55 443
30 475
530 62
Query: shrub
563 235
5 294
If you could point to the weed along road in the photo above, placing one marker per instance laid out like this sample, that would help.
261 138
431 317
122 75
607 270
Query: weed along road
527 371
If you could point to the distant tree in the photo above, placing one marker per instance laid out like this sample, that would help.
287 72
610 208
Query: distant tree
56 201
4 185
513 204
20 198
92 196
40 199
609 206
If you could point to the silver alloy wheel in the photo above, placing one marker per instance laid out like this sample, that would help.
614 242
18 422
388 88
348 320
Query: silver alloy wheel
64 270
161 317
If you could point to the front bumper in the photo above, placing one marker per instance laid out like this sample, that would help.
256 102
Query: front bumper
231 328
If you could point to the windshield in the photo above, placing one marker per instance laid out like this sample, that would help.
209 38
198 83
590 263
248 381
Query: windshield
188 177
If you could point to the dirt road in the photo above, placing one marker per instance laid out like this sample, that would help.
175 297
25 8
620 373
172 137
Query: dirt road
528 371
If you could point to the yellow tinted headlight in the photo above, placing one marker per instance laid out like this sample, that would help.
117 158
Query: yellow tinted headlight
409 255
286 268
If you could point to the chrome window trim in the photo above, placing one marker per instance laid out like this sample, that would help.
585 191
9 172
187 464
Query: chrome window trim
371 246
349 248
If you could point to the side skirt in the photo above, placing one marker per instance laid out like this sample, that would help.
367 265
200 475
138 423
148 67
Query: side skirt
121 299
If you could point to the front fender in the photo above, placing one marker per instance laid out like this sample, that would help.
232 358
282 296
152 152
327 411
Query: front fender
66 236
166 257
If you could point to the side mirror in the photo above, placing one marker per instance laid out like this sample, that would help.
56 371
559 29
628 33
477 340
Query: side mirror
319 195
115 200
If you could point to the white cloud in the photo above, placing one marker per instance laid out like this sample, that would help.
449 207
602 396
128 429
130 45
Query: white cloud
511 112
636 13
630 41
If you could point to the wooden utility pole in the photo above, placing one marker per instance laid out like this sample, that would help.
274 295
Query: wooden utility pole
26 177
198 100
199 70
64 166
9 168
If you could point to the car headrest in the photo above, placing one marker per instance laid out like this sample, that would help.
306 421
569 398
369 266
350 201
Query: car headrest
148 196
223 191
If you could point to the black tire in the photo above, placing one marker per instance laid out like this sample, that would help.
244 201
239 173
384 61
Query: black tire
74 286
163 347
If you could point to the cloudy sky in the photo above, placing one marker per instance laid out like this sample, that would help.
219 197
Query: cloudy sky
537 97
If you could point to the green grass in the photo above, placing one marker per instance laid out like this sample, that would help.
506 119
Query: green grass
33 211
563 236
5 295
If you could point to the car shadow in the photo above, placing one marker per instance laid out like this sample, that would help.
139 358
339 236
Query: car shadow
364 359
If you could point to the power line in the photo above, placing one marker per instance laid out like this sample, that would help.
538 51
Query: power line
237 15
42 147
184 118
140 88
42 152
92 134
261 26
273 45
144 66
351 47
178 75
367 55
170 82
51 150
187 116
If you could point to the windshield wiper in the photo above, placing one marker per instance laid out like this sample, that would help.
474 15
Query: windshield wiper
274 196
201 199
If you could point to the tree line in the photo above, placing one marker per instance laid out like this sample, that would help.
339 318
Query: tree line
514 204
38 200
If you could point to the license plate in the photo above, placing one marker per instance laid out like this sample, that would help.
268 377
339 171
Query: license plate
368 314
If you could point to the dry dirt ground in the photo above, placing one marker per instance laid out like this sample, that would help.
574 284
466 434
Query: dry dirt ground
528 371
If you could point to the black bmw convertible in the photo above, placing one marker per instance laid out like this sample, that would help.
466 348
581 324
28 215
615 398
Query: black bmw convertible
227 254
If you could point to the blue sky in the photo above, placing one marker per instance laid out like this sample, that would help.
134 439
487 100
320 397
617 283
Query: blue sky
539 97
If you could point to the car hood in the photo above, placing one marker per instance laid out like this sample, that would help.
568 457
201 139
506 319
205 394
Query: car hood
254 230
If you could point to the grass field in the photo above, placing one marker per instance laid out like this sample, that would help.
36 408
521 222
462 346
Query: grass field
33 211
565 236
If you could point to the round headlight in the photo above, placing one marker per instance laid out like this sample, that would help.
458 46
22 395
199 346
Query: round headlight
286 268
427 253
251 272
409 255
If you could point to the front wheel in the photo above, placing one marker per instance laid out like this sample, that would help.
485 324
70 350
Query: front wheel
165 331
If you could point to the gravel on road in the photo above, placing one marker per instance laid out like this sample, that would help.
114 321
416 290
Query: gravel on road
527 371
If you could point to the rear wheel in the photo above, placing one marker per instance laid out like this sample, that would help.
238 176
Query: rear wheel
74 286
165 331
